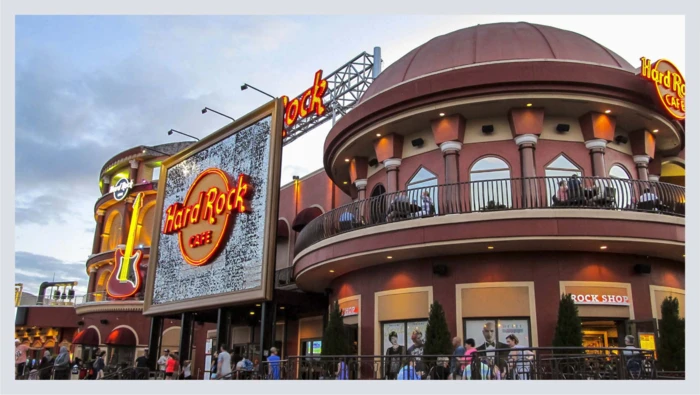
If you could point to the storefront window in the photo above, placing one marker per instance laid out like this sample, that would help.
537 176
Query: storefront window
491 333
490 184
402 338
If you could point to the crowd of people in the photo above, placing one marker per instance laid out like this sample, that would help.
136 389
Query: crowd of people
240 367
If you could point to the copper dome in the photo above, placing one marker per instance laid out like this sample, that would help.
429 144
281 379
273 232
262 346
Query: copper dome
495 42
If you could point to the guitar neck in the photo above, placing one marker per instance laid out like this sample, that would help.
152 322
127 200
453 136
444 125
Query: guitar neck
130 238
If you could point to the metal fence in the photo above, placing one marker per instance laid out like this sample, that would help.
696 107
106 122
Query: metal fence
494 195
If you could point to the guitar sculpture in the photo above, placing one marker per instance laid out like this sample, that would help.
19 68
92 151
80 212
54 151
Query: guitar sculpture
125 280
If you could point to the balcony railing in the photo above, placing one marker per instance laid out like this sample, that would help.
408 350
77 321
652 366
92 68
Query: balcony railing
102 296
506 194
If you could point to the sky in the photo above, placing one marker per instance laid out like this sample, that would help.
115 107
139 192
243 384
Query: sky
89 87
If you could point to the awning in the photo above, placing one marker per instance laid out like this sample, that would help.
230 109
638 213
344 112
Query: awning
87 337
304 217
282 229
121 337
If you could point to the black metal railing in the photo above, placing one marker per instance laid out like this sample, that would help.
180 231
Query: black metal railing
501 364
102 296
494 195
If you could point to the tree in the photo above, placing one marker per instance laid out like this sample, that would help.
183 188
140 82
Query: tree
568 332
437 336
334 337
671 348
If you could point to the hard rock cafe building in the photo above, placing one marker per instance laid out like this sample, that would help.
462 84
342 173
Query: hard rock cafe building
491 121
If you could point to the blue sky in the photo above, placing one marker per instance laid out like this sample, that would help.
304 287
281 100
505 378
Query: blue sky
88 87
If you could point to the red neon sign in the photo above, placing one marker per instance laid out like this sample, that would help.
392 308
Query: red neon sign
670 85
311 102
201 222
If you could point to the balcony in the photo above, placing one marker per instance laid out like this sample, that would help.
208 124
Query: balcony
101 301
518 213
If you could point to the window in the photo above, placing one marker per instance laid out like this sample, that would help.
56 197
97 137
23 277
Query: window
396 337
377 204
156 174
424 181
117 355
492 332
560 169
620 185
490 184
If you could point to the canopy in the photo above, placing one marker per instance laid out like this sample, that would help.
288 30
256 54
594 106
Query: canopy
304 217
87 337
121 337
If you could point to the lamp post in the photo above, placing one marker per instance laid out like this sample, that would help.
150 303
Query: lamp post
246 86
205 109
171 131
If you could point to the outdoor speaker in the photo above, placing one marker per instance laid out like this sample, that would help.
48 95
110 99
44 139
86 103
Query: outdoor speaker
373 162
104 322
417 142
81 323
440 270
642 268
562 127
621 139
487 129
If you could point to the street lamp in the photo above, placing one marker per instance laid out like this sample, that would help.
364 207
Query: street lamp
179 132
205 109
246 86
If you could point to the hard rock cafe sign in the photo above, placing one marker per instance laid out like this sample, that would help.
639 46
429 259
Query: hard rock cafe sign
310 102
670 85
203 218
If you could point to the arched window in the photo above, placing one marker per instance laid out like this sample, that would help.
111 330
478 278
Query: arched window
145 226
558 170
112 234
490 184
377 204
424 181
619 188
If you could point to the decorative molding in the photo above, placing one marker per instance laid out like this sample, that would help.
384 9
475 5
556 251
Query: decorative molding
641 159
526 139
597 143
361 184
391 163
449 146
653 178
102 307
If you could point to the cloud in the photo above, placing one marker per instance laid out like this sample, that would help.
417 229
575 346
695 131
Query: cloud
31 270
43 210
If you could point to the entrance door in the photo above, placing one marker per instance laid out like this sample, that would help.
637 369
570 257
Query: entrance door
645 332
310 369
602 333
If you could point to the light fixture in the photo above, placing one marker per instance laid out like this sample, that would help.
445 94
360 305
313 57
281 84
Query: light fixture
331 271
345 183
205 109
281 307
442 114
246 86
603 247
257 305
655 131
490 247
347 160
379 135
607 111
252 313
390 257
528 105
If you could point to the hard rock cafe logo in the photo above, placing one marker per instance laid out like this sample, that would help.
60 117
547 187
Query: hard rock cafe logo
670 85
121 188
202 220
311 101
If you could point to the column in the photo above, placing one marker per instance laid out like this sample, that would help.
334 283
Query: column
267 330
186 331
597 148
526 145
134 171
92 280
154 341
392 174
642 162
451 197
361 186
223 327
105 185
97 238
654 178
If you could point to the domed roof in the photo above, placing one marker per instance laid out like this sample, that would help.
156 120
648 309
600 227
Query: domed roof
495 42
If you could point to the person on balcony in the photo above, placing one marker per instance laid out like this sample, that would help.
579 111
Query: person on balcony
346 220
399 207
408 372
575 190
562 194
427 204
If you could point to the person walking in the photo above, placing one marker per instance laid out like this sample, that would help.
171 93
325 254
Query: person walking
187 370
171 367
273 364
61 366
342 373
408 372
20 358
45 366
223 363
456 363
162 361
141 366
520 359
99 366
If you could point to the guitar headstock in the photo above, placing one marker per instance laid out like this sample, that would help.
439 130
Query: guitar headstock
138 202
